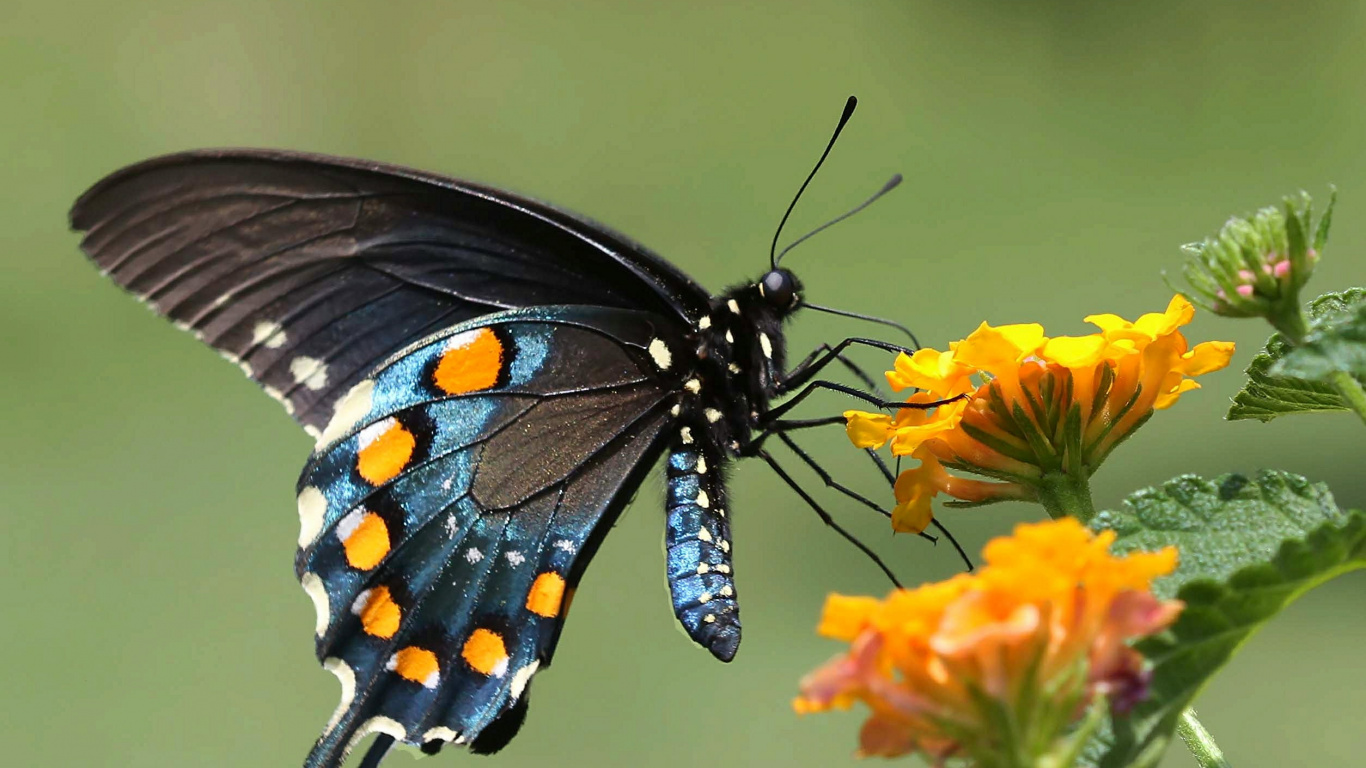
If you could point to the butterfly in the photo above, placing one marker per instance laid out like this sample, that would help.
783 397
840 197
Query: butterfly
488 380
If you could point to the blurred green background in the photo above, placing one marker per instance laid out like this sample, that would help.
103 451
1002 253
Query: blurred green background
1056 153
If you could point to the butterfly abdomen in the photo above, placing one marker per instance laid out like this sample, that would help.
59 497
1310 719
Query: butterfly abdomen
698 550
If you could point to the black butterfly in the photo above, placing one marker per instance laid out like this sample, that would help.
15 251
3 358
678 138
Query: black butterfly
488 379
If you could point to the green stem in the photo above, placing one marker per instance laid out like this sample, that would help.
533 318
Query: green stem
1351 391
1066 495
1291 324
1199 742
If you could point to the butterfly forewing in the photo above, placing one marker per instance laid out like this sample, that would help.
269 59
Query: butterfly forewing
309 271
455 501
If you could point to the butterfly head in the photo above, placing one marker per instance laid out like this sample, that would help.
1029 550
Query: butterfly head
780 290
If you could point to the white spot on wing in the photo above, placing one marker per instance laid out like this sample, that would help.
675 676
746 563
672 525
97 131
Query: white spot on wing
473 555
318 594
725 546
705 597
312 508
734 308
452 525
765 345
710 618
703 534
347 525
723 568
565 545
516 558
726 591
729 338
660 352
440 733
269 334
704 323
347 677
462 339
701 465
693 385
712 415
521 677
734 368
358 604
702 500
677 409
309 371
377 724
353 407
685 434
372 433
703 568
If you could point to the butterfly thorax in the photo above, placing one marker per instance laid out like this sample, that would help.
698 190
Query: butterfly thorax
740 359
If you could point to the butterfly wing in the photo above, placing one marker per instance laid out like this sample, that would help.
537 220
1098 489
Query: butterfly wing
308 270
456 499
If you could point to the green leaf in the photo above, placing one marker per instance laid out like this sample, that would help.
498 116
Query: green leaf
1336 340
1273 390
1248 549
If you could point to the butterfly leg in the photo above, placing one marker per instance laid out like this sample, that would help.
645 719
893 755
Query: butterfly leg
831 482
825 355
825 516
839 355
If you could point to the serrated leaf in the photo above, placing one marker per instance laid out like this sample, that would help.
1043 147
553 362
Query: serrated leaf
1271 391
1336 340
1248 549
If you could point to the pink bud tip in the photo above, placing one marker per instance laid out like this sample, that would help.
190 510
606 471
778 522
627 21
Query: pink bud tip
1282 268
1246 275
1245 291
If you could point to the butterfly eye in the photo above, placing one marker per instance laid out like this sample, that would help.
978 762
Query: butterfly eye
779 288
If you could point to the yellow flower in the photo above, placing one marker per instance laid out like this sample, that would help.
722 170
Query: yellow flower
1029 639
1033 408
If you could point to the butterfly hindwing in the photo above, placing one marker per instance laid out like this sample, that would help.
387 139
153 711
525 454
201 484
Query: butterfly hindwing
308 271
451 508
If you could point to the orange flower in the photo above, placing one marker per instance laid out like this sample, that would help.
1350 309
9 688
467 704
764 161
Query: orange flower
1029 639
1040 408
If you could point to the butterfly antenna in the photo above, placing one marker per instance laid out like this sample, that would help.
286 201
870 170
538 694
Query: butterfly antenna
888 187
870 318
844 118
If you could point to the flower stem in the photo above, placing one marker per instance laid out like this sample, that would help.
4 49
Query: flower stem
1199 742
1351 391
1064 495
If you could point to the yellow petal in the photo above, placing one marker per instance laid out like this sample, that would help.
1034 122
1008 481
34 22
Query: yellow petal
914 490
845 617
1179 312
914 515
1109 322
1000 349
1168 399
1206 357
1075 351
930 370
867 430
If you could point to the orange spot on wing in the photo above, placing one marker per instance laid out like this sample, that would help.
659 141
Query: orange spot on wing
546 595
486 652
416 664
471 362
367 543
380 615
386 453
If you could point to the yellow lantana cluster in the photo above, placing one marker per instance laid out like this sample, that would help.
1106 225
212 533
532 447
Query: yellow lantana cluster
1029 639
1029 404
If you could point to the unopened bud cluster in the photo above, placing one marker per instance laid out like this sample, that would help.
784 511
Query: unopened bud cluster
1256 266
